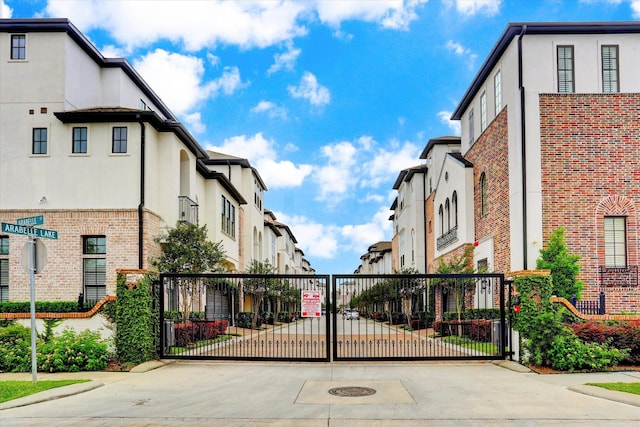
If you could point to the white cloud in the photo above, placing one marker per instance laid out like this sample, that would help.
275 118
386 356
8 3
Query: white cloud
635 7
5 11
262 154
473 7
340 174
392 14
386 163
454 125
316 240
285 60
460 50
270 108
310 89
194 24
360 236
178 80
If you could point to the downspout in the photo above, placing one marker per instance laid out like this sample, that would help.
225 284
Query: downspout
141 205
523 153
424 214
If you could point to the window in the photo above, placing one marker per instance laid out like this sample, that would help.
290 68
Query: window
565 69
454 203
94 267
79 140
39 141
4 269
483 194
483 111
471 136
610 76
257 194
228 217
441 218
119 140
18 46
497 90
447 214
615 241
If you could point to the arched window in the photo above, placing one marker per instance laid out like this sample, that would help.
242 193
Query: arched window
447 214
441 218
483 194
454 202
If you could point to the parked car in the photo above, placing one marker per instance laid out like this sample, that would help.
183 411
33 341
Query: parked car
351 314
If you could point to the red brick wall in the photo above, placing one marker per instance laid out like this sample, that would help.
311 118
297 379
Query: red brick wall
61 278
590 148
489 155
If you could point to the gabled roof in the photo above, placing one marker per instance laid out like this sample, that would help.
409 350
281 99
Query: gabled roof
514 30
406 175
446 140
63 25
216 158
466 163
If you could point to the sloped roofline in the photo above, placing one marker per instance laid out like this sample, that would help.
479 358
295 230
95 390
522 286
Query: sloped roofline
516 28
438 141
47 25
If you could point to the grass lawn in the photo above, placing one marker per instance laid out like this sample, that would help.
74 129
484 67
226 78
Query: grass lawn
633 388
485 347
10 390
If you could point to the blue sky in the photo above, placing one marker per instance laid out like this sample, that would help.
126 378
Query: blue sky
329 100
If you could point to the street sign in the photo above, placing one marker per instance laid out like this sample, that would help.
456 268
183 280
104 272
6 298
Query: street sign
41 256
311 304
29 231
30 221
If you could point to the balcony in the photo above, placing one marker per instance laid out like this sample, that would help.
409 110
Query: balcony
188 213
447 238
619 277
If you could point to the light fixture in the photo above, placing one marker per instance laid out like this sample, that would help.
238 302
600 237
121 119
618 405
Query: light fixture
43 200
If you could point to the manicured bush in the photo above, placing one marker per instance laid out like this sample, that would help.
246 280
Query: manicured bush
245 320
42 307
569 353
192 332
398 318
286 317
620 335
269 317
472 313
69 352
421 320
73 352
15 349
477 330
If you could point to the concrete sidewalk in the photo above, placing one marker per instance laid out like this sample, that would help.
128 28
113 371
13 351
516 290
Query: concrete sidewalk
297 394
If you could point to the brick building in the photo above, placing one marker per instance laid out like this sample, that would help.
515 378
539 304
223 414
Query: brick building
551 126
87 144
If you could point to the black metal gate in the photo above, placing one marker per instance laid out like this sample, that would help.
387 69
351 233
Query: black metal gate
419 317
244 316
353 317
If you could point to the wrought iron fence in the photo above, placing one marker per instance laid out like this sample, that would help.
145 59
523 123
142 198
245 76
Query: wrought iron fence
243 316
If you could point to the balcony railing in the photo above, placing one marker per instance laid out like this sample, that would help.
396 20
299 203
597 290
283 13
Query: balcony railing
618 276
188 210
447 238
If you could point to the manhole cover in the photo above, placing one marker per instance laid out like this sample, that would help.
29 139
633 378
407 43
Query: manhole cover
352 391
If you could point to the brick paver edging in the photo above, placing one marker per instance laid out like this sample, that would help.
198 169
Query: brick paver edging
595 317
77 315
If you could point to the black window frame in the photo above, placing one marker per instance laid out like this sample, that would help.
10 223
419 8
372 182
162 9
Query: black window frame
94 267
38 143
18 47
4 268
566 69
118 142
608 71
79 142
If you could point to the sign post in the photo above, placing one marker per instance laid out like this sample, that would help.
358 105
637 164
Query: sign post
24 226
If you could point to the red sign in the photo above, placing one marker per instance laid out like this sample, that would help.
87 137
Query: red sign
311 304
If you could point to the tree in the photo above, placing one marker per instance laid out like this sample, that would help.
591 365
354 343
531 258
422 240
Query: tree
462 264
185 249
259 286
563 265
407 288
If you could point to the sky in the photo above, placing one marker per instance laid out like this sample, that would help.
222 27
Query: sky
329 100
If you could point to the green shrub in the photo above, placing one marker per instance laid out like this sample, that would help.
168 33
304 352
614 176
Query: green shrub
15 349
569 353
41 307
73 352
135 338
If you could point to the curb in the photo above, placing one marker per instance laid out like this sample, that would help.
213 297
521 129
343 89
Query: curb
603 393
55 393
